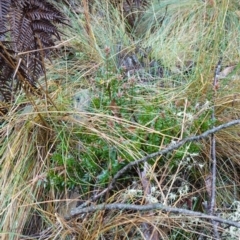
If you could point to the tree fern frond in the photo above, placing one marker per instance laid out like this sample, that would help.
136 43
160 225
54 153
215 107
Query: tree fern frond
32 30
45 26
4 7
38 14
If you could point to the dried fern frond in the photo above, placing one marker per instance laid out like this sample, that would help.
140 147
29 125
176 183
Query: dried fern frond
4 6
32 32
12 68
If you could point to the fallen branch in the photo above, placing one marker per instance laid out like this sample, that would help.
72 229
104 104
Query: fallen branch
151 207
168 149
83 209
213 153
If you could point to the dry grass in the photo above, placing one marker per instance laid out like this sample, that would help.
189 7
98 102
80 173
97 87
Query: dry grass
191 31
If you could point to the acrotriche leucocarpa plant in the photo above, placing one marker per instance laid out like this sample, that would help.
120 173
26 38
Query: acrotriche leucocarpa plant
27 27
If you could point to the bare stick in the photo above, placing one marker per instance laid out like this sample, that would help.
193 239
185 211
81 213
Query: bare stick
151 207
168 149
213 152
53 47
213 141
171 147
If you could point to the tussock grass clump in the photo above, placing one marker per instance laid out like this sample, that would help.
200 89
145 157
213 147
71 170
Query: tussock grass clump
115 95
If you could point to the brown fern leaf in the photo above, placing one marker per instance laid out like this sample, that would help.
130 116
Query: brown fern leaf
4 7
5 88
12 67
36 30
33 18
6 61
33 31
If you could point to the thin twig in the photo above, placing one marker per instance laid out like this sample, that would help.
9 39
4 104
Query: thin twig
172 147
213 178
213 152
168 149
46 48
151 207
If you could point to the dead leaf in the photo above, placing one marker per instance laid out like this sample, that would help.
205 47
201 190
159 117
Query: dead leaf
226 71
131 129
115 109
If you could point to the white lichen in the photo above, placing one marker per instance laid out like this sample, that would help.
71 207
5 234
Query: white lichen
81 102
